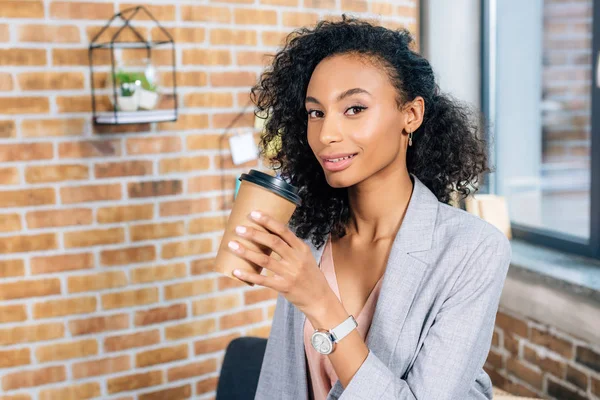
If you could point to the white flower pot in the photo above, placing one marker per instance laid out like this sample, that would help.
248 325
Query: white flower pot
128 103
147 99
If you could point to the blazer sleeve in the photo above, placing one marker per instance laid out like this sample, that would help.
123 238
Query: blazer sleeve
458 342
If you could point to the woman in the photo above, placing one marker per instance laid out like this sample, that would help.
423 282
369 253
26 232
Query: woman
376 151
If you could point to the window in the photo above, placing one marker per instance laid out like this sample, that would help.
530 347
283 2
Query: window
540 94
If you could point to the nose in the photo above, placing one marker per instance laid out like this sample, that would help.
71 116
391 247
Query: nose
330 131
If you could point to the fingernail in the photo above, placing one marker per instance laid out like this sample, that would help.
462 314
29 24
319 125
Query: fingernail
233 245
237 272
240 229
255 214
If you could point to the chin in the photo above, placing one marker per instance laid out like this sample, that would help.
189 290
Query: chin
337 180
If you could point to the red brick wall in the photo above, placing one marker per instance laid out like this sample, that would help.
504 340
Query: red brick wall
531 359
107 234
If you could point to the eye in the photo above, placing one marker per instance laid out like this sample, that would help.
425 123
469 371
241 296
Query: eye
311 115
357 109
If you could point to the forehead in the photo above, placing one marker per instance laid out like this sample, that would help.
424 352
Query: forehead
341 72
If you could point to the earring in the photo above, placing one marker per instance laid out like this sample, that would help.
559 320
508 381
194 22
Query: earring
410 135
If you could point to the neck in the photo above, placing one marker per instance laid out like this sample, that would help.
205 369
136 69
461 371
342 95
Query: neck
378 205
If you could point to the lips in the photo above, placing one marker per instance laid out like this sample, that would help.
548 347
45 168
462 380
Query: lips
336 166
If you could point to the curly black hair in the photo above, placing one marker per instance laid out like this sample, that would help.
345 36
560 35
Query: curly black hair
447 154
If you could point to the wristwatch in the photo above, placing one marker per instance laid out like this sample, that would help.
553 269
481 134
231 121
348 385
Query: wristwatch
324 341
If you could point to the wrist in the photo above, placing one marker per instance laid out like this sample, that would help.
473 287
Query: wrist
327 314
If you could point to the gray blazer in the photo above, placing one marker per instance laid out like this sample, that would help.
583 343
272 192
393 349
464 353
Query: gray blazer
433 323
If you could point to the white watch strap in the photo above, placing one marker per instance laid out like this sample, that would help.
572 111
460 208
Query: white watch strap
343 329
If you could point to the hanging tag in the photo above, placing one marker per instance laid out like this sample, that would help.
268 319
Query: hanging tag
243 148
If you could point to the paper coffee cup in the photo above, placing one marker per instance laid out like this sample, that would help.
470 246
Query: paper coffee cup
257 191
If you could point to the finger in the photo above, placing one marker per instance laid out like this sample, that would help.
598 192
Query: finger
281 230
257 279
257 258
274 242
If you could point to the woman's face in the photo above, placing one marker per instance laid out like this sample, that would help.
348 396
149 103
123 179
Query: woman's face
352 109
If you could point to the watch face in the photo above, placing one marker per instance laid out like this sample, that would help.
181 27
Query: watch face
321 343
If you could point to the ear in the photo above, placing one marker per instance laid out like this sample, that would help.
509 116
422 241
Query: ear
414 111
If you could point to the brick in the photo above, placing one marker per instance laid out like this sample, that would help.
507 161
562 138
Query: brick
224 283
79 57
130 341
128 256
184 164
189 329
181 34
130 298
274 38
58 218
184 207
6 81
41 33
81 391
108 215
82 104
186 248
595 386
554 367
261 331
289 3
193 78
29 288
185 122
229 121
511 325
204 266
299 19
159 273
134 381
577 377
207 385
588 357
32 378
206 57
207 224
126 35
233 37
241 318
125 168
13 313
52 127
192 370
233 79
51 80
61 263
355 5
556 344
14 358
153 145
160 12
252 58
95 282
62 307
124 128
156 231
529 375
89 193
11 268
214 345
245 16
24 105
210 99
89 148
161 355
189 288
174 393
10 223
207 183
511 344
259 295
31 333
21 9
94 237
8 129
160 315
215 304
9 176
80 10
560 391
327 4
103 366
55 173
67 351
154 188
25 151
99 324
22 57
205 14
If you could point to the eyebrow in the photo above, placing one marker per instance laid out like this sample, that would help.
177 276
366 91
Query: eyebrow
349 92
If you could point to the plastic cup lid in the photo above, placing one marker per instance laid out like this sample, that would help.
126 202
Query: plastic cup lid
274 184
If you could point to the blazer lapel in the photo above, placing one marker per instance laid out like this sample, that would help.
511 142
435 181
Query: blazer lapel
401 280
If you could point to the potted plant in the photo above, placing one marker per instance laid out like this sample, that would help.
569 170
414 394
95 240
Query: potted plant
127 90
148 93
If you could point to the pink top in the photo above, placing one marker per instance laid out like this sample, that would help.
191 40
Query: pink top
321 370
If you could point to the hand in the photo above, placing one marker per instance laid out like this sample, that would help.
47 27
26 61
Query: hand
296 276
